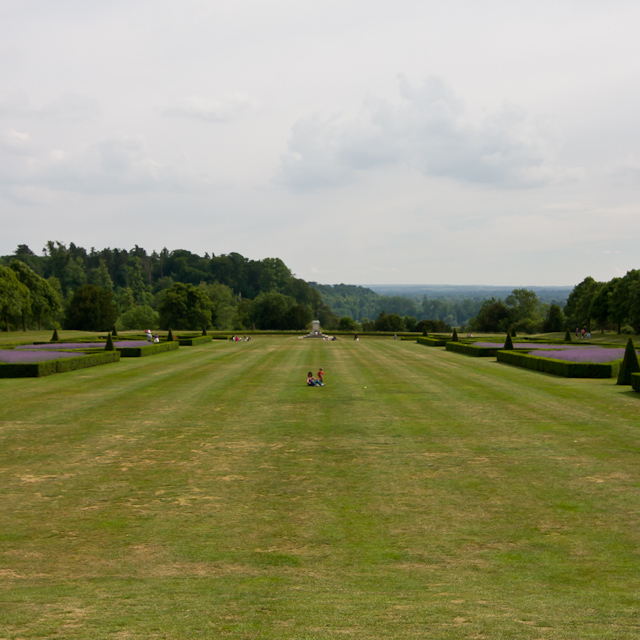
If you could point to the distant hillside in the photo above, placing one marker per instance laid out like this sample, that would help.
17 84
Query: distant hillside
454 304
551 295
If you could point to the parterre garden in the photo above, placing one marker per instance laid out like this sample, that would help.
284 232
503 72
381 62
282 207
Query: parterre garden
208 493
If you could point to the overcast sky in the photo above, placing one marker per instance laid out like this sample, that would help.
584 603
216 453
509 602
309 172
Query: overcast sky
492 142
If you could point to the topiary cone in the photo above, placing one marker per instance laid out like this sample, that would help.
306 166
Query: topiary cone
629 364
513 333
454 337
114 331
204 331
567 336
169 336
54 337
508 343
109 346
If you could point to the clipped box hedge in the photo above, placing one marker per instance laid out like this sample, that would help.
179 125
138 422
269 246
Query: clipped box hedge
471 350
635 381
192 341
63 365
560 367
432 342
151 349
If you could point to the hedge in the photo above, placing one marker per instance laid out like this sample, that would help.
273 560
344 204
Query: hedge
150 350
560 367
39 369
635 381
188 341
432 342
470 350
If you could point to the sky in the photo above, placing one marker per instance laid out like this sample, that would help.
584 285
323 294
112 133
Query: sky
361 142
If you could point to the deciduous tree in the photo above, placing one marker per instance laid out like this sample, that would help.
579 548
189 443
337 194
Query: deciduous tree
184 306
91 309
14 296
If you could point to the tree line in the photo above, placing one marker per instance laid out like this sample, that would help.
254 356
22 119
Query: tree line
365 305
613 305
70 287
74 288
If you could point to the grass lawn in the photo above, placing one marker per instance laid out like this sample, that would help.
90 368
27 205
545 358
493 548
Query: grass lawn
208 493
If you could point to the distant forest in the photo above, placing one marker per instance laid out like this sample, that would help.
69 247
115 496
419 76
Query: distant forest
453 305
170 288
75 288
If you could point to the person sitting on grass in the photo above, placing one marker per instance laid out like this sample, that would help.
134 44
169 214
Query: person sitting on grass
312 382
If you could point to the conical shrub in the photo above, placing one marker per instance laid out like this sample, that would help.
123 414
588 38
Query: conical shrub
454 337
114 331
204 331
55 337
513 333
508 343
109 346
169 336
567 336
629 364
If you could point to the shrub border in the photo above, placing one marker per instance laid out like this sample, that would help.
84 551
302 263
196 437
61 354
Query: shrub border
187 341
63 365
432 342
635 381
470 350
560 367
149 350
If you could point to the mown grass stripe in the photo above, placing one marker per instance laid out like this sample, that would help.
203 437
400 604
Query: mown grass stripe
213 494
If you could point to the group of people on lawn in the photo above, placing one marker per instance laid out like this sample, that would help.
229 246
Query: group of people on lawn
315 382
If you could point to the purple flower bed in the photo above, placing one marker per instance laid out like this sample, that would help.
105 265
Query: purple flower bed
528 345
85 345
584 354
565 352
12 356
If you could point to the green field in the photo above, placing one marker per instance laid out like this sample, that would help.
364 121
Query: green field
207 493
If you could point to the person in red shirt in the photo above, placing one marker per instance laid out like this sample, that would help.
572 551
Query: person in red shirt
321 376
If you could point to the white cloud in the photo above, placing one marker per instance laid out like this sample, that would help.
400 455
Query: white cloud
119 164
14 142
429 131
627 168
68 106
222 109
12 100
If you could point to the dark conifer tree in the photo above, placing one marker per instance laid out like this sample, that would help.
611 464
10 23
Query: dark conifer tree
508 343
629 364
